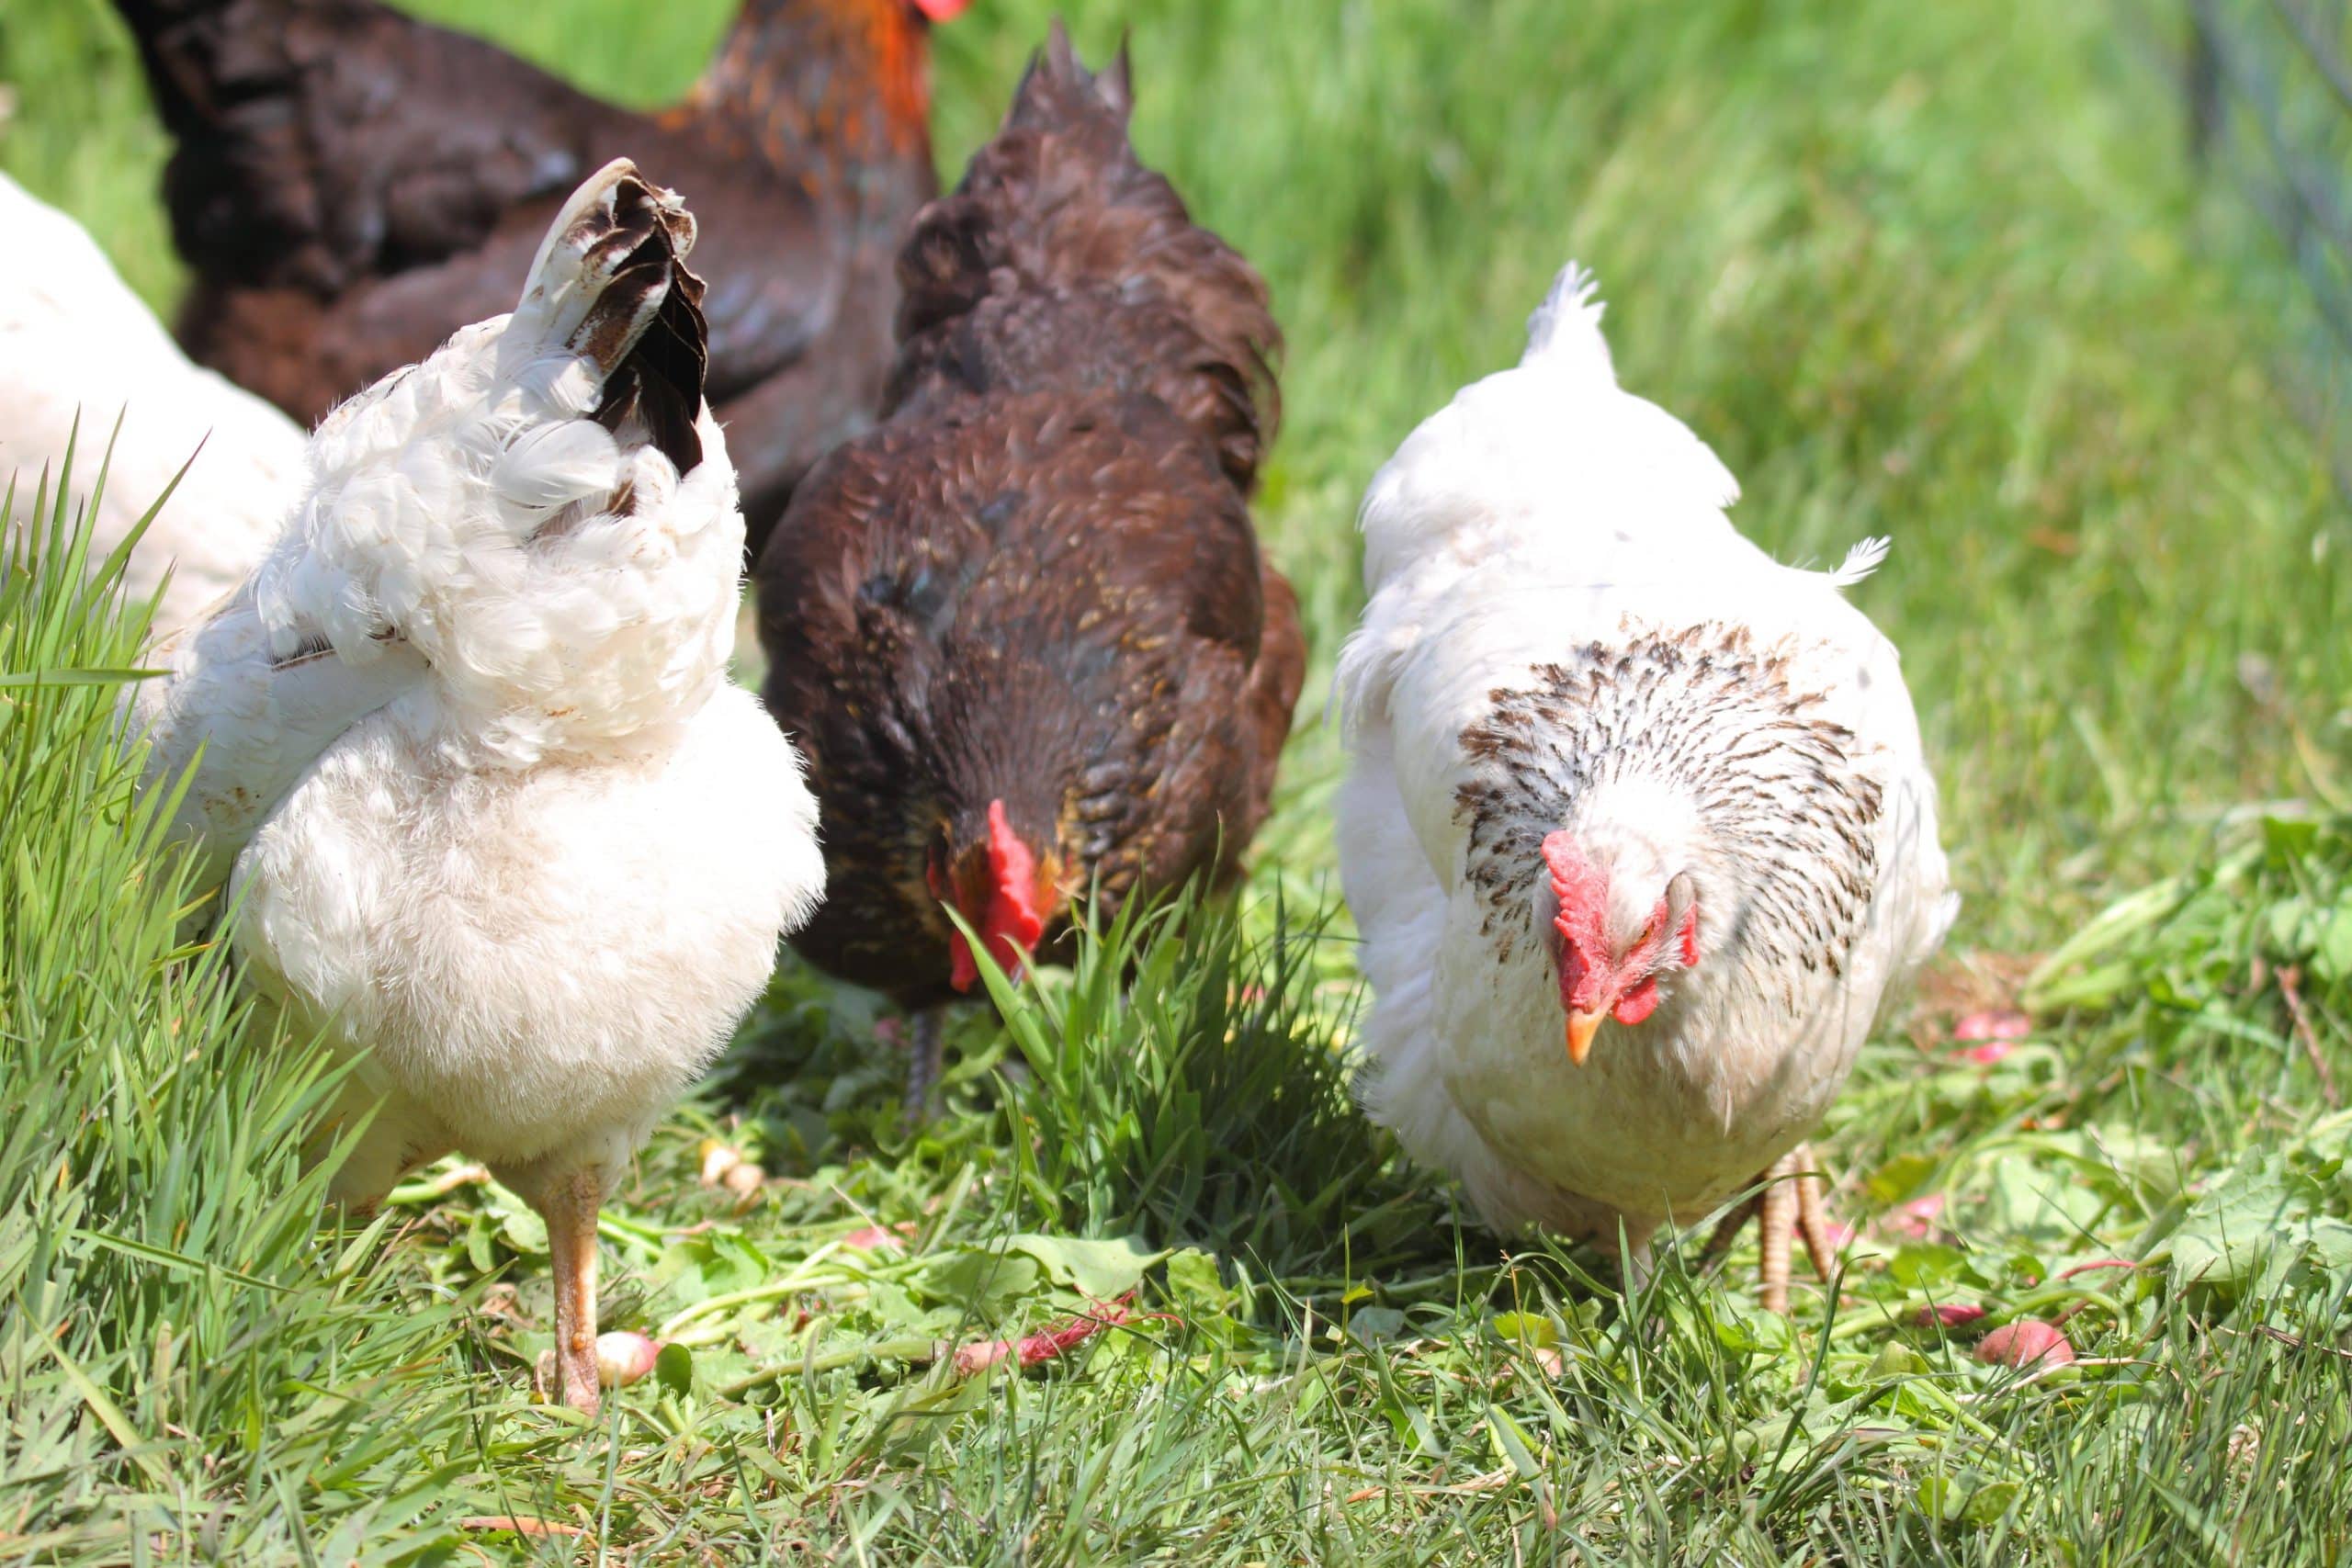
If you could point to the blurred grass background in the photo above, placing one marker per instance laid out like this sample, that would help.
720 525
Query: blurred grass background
1945 273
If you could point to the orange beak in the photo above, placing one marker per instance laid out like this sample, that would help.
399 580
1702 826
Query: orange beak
1582 1026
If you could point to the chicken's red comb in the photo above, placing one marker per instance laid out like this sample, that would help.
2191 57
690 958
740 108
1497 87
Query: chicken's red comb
1012 923
1581 887
1013 912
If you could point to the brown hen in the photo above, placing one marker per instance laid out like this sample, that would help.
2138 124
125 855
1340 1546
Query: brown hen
1023 631
352 185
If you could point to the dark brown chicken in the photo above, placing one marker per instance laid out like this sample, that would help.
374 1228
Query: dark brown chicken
1022 630
352 185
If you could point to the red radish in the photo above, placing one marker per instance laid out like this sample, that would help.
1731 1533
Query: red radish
2028 1342
1917 1217
1995 1023
1045 1344
1949 1314
623 1357
880 1238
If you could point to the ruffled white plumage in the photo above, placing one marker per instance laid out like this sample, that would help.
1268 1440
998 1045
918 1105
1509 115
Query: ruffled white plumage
491 818
1545 514
76 342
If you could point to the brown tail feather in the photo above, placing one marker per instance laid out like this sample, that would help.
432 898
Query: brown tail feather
645 327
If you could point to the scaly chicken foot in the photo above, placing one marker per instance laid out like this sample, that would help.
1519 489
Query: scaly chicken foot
1787 1203
569 1210
926 1048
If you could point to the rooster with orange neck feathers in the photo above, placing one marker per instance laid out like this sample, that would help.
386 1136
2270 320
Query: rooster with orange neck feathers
1638 834
1022 631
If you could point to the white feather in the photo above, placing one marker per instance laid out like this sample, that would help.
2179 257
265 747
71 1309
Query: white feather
1862 559
557 465
1565 330
76 343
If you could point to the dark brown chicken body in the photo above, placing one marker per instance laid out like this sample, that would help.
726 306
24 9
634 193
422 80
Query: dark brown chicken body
351 185
1023 631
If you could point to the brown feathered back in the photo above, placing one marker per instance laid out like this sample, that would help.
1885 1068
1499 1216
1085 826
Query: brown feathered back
1059 206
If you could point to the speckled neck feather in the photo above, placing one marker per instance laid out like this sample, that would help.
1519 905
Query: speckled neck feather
1778 799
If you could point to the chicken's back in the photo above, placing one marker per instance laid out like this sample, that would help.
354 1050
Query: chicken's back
1061 254
320 142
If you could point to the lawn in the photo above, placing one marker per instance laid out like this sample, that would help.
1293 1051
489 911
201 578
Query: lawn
1941 272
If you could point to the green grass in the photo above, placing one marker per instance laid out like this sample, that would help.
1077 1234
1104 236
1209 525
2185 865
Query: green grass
1932 271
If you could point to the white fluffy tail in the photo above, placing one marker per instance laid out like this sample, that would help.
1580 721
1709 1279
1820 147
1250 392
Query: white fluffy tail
1861 561
1566 329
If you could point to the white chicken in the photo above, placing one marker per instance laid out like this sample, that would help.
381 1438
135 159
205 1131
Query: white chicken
76 343
1638 832
492 817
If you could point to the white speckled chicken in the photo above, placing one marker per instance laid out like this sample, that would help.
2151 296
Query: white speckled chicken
1638 832
76 342
489 808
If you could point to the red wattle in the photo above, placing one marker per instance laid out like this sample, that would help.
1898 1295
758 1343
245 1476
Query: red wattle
1638 1003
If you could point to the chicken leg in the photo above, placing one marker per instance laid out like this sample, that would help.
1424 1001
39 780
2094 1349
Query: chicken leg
926 1046
570 1209
1787 1201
